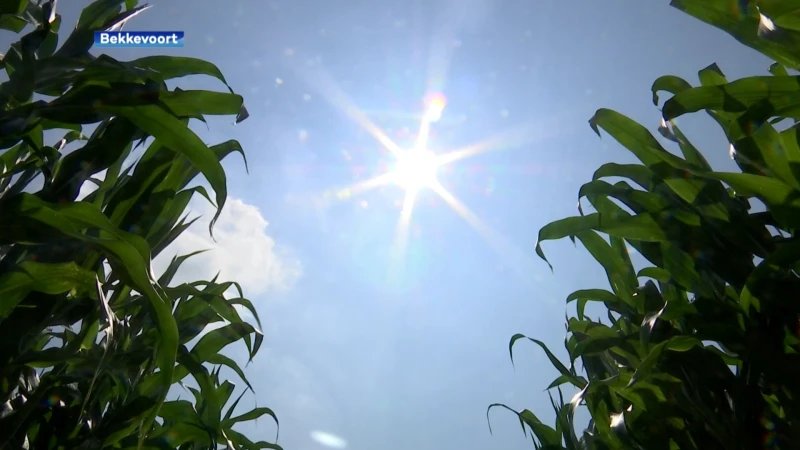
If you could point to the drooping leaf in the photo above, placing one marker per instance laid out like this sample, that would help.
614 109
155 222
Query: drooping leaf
741 20
81 301
173 134
736 97
577 381
171 67
669 83
42 277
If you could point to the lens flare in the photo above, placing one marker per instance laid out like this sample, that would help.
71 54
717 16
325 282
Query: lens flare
435 107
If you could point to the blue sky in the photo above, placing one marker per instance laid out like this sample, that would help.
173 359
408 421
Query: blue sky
356 347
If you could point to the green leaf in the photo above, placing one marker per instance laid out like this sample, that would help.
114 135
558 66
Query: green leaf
764 149
97 13
12 6
669 83
646 148
100 15
178 411
781 93
575 380
20 67
790 146
677 173
50 43
230 363
247 444
107 145
655 273
13 22
251 415
778 69
618 268
173 134
128 254
712 76
784 13
637 173
171 67
209 404
546 435
42 277
586 295
690 152
782 200
785 257
174 265
637 200
648 365
247 304
194 103
77 296
641 227
215 340
743 25
682 343
634 137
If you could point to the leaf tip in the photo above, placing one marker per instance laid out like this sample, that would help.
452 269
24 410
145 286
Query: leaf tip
243 114
593 124
514 339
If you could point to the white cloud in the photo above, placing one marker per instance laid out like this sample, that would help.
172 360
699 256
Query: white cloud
328 439
243 251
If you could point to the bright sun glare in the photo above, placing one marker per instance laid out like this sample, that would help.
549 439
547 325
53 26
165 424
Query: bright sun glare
415 169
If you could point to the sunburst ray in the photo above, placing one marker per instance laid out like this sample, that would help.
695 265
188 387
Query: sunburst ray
414 173
529 132
366 185
322 82
509 254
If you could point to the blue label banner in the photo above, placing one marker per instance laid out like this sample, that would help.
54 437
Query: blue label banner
138 39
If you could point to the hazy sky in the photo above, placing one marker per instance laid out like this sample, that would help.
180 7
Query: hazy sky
367 349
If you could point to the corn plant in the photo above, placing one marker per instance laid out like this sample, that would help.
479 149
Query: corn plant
91 340
699 350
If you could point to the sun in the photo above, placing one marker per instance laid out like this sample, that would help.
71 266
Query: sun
415 169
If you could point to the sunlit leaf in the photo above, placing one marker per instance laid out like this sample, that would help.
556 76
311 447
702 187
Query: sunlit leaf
669 83
741 21
173 134
79 299
713 315
42 277
171 67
